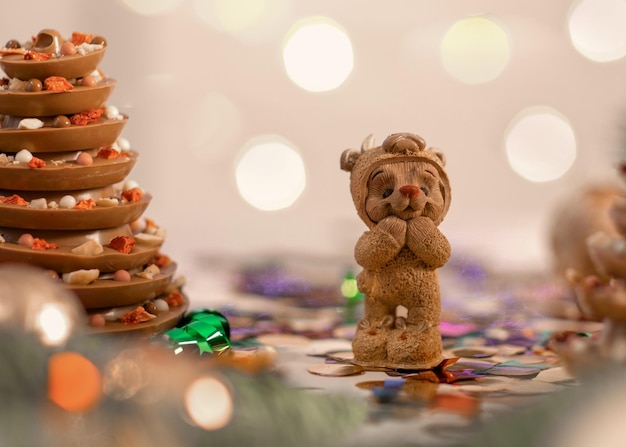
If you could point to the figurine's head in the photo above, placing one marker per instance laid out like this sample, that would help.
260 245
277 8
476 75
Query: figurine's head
400 178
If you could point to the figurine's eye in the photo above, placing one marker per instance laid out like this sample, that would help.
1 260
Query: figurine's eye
387 192
424 190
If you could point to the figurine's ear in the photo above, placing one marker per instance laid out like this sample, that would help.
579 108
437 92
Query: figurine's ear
348 158
439 155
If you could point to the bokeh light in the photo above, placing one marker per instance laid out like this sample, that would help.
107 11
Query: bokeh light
598 29
212 125
540 145
270 173
53 324
152 7
475 50
74 382
317 54
250 20
209 403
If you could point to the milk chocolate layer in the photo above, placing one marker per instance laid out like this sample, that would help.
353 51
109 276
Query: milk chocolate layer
48 103
72 219
116 293
74 66
50 139
62 260
67 176
156 325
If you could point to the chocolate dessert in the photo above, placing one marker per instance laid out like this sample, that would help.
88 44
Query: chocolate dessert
66 204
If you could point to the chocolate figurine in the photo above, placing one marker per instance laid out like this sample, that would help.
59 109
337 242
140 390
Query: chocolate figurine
601 295
402 193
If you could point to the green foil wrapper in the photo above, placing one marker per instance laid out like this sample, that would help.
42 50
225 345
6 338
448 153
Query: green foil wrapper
204 329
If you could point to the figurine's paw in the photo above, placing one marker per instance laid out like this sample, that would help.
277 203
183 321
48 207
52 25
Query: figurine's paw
387 322
364 323
400 323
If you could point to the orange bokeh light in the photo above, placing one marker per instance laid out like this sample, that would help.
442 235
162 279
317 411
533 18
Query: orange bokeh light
74 382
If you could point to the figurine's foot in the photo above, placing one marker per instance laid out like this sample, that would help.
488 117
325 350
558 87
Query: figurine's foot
369 344
413 348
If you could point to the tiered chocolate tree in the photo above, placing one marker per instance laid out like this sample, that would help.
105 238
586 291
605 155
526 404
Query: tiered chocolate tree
65 202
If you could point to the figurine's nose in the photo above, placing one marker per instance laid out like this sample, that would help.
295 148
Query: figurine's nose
411 191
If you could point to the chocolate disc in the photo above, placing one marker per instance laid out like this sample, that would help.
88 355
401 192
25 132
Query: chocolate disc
156 325
70 66
49 103
66 175
51 139
72 219
117 293
62 259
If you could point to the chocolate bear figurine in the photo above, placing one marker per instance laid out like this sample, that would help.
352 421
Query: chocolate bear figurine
402 193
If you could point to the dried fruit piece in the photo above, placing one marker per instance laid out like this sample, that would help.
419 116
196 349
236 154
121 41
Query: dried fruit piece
35 163
108 153
13 200
86 117
138 315
35 56
79 37
132 195
123 244
161 260
57 84
85 204
175 299
43 245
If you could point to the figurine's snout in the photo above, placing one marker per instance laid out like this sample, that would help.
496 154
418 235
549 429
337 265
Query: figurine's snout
411 191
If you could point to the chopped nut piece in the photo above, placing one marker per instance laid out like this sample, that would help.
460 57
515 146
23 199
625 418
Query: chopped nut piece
149 272
4 159
38 204
149 239
30 123
107 202
89 248
81 277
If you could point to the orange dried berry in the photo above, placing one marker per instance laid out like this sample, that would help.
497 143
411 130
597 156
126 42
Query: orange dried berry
108 153
138 315
36 163
86 117
161 260
123 244
175 299
132 195
85 204
35 56
79 38
43 245
13 200
57 84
